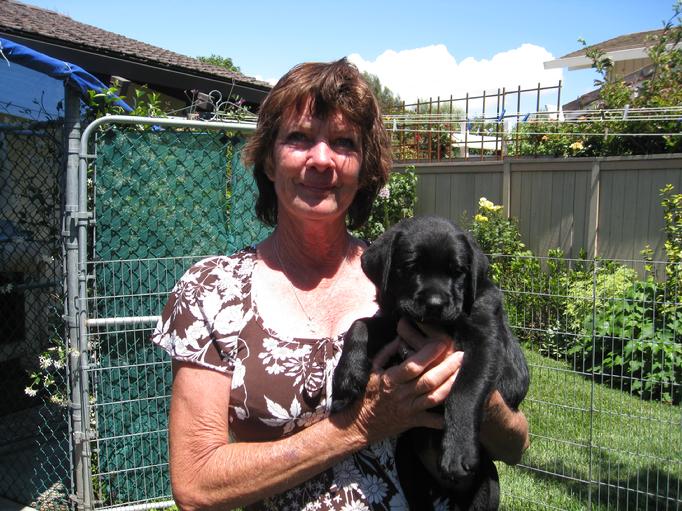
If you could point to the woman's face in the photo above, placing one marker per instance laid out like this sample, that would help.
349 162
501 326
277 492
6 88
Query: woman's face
316 166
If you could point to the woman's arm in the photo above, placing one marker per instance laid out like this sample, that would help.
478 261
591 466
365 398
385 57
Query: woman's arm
208 472
504 432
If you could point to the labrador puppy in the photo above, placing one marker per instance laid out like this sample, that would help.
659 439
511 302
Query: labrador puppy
430 271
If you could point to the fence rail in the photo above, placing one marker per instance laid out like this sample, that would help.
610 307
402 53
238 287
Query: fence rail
527 123
473 126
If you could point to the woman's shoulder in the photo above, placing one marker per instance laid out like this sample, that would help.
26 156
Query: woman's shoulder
219 267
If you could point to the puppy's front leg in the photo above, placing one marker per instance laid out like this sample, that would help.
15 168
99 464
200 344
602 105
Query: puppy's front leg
362 341
460 454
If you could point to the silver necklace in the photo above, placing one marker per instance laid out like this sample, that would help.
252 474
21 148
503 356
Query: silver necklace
310 325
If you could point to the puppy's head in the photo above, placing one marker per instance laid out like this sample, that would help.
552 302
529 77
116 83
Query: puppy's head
426 268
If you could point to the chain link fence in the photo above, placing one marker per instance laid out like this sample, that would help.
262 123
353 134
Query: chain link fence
35 465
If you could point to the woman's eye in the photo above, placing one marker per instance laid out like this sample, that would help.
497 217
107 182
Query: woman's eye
296 137
345 143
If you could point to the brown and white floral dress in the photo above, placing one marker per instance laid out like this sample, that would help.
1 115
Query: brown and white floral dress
279 384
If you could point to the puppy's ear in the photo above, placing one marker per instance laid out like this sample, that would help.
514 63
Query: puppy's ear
478 271
376 260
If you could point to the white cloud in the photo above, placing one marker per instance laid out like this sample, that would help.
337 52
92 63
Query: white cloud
433 71
271 81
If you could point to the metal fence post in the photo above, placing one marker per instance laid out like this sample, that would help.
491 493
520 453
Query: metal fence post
506 187
72 221
593 223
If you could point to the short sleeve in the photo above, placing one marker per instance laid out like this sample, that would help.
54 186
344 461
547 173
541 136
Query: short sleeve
204 314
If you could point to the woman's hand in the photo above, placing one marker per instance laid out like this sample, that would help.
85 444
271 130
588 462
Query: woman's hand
398 398
504 432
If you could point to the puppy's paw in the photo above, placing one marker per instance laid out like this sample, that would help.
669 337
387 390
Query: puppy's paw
347 387
460 462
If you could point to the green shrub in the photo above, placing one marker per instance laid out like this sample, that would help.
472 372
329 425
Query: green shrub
394 202
591 287
636 346
533 299
613 325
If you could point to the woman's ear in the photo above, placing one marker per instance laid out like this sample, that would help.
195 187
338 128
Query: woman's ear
269 171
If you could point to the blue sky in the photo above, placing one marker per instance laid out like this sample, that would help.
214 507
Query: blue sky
418 48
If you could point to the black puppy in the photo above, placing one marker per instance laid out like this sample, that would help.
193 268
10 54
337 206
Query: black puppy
432 272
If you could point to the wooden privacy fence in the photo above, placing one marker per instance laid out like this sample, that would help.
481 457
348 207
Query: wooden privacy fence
610 206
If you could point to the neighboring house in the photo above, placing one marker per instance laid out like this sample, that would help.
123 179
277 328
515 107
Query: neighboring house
629 54
112 57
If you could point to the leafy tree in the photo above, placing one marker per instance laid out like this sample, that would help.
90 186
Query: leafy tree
217 60
388 100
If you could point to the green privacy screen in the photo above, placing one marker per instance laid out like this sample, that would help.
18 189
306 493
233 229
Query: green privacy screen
163 200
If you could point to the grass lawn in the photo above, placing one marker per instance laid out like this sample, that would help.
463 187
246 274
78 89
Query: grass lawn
625 455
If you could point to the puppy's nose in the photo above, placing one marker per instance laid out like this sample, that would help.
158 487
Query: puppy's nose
434 304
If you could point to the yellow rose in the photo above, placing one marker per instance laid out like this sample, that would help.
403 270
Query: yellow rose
485 203
481 218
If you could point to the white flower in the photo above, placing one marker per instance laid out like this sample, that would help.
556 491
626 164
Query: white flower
228 320
45 362
346 474
274 369
238 374
30 391
195 333
385 192
374 489
383 450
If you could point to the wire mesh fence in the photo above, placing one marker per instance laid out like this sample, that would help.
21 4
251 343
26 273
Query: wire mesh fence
603 342
35 466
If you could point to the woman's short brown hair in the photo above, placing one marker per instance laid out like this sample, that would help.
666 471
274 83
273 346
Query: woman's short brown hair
325 88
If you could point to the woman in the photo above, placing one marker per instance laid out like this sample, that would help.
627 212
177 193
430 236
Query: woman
255 336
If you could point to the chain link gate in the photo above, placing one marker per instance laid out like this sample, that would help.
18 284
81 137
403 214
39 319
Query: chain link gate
34 434
155 201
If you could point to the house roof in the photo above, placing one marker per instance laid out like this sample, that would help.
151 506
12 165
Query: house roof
624 47
623 42
588 99
108 53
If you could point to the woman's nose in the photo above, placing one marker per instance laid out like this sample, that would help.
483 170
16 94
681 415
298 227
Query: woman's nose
321 155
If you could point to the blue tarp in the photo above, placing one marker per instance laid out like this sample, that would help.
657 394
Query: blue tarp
71 74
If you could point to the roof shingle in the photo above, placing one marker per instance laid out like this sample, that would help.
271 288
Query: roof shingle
27 20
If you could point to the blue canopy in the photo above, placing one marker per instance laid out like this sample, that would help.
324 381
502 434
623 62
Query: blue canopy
71 74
